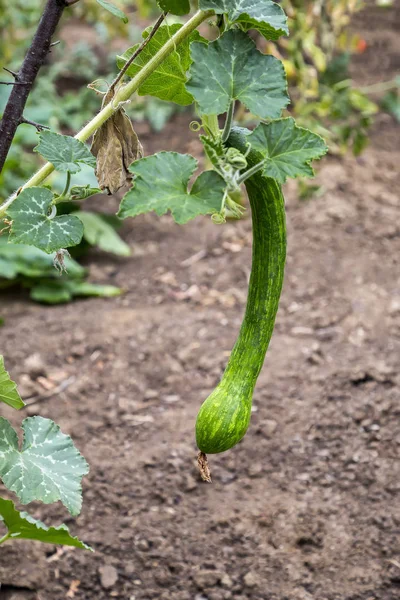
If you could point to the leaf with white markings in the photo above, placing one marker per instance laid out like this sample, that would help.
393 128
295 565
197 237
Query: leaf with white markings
8 389
231 68
48 467
114 10
32 224
161 184
176 7
21 525
264 15
64 152
168 80
288 149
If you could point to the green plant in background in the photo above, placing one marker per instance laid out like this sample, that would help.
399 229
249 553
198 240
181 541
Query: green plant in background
32 268
316 58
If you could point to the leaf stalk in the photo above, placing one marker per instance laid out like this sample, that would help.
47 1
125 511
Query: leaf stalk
228 123
250 172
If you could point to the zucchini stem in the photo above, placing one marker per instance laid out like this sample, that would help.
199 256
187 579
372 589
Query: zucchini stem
202 463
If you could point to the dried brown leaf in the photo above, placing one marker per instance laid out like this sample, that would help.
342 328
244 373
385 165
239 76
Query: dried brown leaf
116 146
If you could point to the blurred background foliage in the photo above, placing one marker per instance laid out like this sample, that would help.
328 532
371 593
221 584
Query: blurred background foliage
316 57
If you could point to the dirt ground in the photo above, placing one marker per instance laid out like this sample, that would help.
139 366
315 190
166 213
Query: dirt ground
307 507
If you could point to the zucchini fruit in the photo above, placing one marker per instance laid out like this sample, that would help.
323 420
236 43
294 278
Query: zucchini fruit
224 416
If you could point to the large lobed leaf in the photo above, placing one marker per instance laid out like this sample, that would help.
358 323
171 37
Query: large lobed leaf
161 184
21 525
32 225
8 389
231 68
168 80
48 467
264 15
288 149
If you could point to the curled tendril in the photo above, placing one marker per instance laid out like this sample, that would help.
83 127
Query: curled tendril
94 86
218 218
195 126
53 212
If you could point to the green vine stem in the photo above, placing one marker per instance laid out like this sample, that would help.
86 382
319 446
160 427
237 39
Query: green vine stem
66 188
122 95
252 171
5 537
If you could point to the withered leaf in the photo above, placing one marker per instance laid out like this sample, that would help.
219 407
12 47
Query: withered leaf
116 146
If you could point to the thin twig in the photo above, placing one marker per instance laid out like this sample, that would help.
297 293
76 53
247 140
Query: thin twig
188 262
13 73
38 126
25 78
58 390
15 83
138 51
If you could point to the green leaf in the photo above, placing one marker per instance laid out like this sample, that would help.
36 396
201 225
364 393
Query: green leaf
161 184
48 468
21 525
32 225
99 233
288 149
360 142
264 15
8 389
176 7
64 152
62 291
117 12
51 293
81 192
168 80
84 288
231 68
391 103
8 270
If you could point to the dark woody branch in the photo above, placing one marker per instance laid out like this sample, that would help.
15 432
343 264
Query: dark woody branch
25 78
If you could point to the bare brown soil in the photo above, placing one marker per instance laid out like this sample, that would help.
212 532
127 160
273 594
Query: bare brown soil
307 507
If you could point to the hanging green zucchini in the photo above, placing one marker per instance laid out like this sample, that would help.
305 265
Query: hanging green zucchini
224 416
